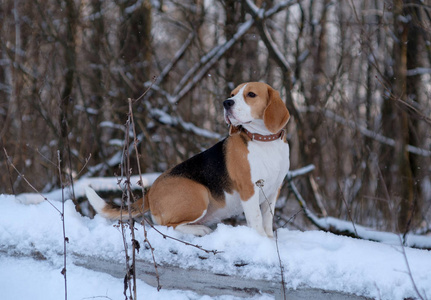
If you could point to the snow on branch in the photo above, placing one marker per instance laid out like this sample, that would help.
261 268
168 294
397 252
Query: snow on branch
363 130
167 119
299 172
204 59
346 228
272 47
200 69
180 53
212 60
418 71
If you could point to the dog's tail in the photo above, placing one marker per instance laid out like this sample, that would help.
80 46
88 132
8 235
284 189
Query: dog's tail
114 212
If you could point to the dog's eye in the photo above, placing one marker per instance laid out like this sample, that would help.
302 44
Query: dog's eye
232 94
251 95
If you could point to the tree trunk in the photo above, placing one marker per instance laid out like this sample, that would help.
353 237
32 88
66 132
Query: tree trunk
413 86
397 167
135 45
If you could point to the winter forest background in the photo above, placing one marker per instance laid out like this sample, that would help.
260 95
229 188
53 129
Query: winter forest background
355 76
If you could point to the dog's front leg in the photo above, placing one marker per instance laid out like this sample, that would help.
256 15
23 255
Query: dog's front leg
268 207
253 214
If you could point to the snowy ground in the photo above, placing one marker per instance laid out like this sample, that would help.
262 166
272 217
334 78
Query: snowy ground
311 259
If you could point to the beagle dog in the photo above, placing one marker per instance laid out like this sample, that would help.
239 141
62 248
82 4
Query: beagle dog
242 173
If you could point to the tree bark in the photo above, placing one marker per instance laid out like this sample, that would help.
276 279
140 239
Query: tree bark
397 166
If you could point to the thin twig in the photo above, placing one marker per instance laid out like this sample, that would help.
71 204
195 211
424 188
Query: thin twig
291 218
145 92
146 240
8 170
29 184
348 210
84 166
165 236
129 203
131 270
65 239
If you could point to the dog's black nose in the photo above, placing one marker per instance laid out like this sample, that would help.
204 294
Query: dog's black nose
228 103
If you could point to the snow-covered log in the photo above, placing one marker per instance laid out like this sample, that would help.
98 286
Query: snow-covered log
97 183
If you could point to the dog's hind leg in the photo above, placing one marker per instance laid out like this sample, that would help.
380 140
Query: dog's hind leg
181 203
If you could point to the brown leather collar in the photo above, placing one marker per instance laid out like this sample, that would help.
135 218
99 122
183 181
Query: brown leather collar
264 138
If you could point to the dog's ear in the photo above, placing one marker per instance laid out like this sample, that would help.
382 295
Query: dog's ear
234 129
276 114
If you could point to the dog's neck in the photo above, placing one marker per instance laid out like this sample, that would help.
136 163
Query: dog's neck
257 131
257 127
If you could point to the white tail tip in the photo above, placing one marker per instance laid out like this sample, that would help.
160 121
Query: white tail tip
98 203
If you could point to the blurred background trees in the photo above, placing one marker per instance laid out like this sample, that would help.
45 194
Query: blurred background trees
355 76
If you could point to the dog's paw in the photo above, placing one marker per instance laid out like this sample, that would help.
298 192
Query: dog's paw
198 230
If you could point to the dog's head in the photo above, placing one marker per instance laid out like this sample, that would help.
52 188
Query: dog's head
251 103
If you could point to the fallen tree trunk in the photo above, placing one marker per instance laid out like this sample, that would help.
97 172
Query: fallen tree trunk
207 283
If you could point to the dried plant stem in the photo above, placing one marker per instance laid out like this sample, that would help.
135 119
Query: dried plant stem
7 168
127 284
260 183
165 236
65 239
130 279
131 123
348 210
159 286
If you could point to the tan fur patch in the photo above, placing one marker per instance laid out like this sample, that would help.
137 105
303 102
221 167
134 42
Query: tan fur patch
177 200
276 114
238 165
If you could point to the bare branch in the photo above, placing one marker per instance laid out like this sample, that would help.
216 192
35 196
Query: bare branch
217 55
363 130
165 236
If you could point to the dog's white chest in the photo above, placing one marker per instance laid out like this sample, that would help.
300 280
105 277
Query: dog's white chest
269 161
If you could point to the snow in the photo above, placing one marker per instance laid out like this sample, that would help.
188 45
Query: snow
44 281
311 259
